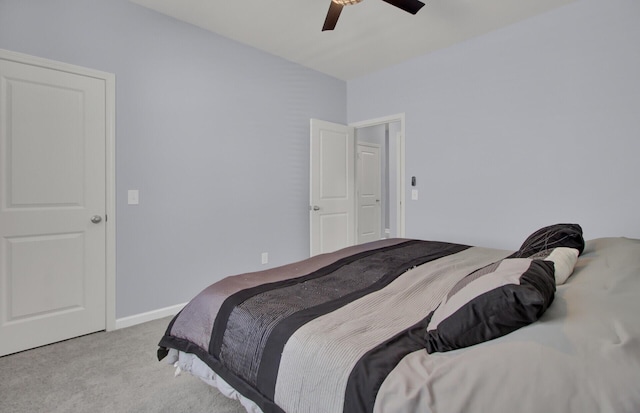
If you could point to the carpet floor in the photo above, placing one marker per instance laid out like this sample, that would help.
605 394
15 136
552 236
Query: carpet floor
104 372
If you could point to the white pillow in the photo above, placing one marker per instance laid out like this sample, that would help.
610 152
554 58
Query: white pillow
564 260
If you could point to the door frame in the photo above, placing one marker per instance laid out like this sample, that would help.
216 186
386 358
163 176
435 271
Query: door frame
400 164
110 166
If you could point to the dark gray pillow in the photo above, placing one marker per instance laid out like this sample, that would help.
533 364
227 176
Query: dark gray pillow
553 236
490 303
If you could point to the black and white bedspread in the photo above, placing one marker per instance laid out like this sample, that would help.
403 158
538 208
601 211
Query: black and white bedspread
348 332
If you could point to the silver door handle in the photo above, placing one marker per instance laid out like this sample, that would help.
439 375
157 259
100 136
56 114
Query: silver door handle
316 208
96 219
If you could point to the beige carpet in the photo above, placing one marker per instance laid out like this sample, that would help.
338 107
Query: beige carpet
104 372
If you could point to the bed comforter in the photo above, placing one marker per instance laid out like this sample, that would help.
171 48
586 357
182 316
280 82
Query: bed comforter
337 333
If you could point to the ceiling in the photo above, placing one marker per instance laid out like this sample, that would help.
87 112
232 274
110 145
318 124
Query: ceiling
369 36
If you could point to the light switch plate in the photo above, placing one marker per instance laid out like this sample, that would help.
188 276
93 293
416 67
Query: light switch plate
414 194
133 197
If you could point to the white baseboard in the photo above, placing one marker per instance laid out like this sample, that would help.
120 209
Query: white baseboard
133 320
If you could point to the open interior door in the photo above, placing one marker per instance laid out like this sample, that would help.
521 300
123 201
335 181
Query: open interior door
368 193
332 194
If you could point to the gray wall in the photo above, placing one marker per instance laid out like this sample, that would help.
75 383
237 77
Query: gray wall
533 124
214 134
530 125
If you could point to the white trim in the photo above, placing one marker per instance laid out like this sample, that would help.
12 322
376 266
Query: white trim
401 181
381 121
136 319
110 207
110 166
400 117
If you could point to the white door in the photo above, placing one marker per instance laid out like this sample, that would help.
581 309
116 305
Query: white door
369 190
52 205
332 206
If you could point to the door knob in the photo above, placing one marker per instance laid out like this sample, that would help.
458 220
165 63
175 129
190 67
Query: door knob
316 208
96 219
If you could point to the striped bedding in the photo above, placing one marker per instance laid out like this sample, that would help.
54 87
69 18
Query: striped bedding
322 334
336 333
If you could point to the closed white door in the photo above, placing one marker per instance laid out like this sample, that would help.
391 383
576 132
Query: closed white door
369 190
332 203
52 206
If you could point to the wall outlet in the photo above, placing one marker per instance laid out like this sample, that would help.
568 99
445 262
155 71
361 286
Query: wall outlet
414 194
265 257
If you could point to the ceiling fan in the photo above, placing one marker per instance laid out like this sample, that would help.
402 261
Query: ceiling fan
410 6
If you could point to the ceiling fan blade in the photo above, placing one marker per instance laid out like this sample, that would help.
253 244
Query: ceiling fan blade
410 6
332 16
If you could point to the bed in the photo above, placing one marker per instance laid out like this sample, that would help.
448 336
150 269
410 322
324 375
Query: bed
402 325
